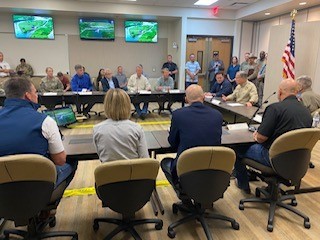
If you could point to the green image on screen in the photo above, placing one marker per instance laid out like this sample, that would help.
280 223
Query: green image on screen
62 116
33 27
140 31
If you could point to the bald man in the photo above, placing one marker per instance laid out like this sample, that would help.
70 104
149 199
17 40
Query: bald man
192 126
286 115
109 81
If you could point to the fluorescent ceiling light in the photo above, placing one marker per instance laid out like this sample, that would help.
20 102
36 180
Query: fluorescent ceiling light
267 13
302 3
205 2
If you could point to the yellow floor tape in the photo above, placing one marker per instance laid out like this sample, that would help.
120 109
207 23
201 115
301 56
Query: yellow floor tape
91 190
141 123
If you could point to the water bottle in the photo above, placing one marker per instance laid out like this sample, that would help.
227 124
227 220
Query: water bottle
316 119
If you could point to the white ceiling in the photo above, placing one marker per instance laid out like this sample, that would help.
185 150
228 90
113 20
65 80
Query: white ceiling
223 4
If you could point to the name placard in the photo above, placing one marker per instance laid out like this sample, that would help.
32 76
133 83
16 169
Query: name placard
237 126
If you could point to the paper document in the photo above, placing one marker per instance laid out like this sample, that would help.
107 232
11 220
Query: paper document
257 118
215 101
174 91
85 93
50 94
235 104
237 126
144 92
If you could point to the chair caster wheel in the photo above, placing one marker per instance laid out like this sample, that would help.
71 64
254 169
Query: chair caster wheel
258 194
175 209
294 202
241 206
307 224
270 228
171 233
53 222
159 225
95 226
235 225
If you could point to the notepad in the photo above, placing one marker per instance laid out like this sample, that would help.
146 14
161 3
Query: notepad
257 118
215 102
174 91
50 94
237 126
235 104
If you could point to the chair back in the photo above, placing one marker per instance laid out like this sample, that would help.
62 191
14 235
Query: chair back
290 153
26 185
204 172
126 186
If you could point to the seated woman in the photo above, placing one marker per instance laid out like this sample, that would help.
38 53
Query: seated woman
117 137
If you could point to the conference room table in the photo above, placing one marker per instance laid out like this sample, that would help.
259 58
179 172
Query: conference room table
234 108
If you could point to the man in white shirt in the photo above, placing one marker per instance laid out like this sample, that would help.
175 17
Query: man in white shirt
136 83
4 67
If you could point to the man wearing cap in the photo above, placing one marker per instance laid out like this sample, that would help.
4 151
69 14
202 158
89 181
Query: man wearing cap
24 69
245 92
252 69
215 65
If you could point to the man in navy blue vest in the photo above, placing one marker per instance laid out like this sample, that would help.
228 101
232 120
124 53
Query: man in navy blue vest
23 130
192 126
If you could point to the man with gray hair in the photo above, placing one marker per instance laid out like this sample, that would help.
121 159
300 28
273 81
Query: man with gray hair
192 126
245 92
4 67
308 97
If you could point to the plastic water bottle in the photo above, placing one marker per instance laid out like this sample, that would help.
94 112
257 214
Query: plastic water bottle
316 120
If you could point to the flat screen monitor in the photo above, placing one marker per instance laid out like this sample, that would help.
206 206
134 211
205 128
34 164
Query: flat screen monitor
63 116
33 27
96 29
141 31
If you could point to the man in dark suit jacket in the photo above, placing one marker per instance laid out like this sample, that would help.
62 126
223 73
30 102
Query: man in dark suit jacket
109 81
222 86
192 126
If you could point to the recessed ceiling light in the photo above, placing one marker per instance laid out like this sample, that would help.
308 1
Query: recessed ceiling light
302 3
267 13
205 2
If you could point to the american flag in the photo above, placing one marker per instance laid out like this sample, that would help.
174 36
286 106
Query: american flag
288 58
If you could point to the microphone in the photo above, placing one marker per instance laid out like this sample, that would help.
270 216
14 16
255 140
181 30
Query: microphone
252 128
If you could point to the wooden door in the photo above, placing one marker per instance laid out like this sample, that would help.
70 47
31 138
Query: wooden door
223 45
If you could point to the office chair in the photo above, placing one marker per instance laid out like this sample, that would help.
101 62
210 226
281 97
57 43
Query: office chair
289 157
27 187
125 186
204 174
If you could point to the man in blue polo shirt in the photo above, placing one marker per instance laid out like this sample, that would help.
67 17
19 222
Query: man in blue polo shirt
81 82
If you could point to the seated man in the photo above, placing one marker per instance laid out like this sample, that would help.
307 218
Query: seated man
192 126
122 78
109 81
244 93
222 86
286 115
308 97
65 81
24 69
164 84
136 83
50 83
28 131
81 82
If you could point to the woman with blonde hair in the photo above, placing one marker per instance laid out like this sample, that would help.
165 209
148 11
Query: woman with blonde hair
117 137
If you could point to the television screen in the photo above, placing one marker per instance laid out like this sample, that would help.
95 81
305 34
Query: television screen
63 116
36 27
96 29
141 31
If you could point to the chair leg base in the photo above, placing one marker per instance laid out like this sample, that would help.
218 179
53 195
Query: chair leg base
275 200
195 212
126 225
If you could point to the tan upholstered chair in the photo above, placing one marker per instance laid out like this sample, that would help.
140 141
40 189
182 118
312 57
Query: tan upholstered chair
125 186
204 174
26 187
289 156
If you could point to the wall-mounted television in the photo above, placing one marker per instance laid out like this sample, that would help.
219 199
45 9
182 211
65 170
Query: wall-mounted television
141 31
96 29
34 27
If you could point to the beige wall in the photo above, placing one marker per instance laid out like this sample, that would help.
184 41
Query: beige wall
307 54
